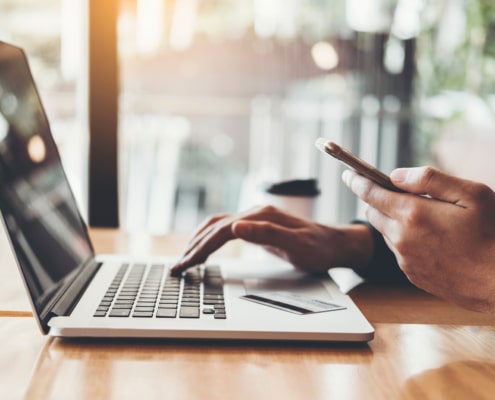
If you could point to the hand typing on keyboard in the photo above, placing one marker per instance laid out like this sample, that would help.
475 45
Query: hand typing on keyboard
308 245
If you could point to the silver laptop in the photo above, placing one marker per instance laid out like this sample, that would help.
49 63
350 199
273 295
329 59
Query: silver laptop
75 293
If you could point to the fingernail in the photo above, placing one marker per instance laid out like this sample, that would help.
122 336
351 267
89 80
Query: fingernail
346 176
399 175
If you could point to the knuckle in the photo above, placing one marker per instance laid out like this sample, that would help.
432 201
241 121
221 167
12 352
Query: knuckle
481 191
368 192
264 231
413 217
266 227
428 175
263 225
221 229
214 218
267 209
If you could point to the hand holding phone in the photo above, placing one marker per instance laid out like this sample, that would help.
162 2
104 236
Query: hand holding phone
357 164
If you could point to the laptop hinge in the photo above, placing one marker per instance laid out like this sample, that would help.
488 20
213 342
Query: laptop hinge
69 297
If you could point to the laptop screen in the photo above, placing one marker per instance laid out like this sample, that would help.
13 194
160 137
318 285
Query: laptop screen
39 211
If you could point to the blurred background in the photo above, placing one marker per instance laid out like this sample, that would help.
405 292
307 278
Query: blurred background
218 97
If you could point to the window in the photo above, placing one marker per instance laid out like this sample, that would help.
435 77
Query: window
456 86
218 97
221 96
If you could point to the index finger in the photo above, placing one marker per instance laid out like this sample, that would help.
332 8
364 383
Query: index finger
203 247
373 194
204 226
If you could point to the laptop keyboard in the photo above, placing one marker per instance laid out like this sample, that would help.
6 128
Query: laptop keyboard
142 291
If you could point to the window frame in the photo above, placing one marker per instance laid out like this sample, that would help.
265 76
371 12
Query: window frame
102 100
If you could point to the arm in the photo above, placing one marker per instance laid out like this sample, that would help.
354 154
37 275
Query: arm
309 246
306 244
442 232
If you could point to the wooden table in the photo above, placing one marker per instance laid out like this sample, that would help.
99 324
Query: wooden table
424 348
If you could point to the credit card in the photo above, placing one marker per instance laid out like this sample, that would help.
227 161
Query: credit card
292 302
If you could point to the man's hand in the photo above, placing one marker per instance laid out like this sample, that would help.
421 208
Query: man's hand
309 246
442 232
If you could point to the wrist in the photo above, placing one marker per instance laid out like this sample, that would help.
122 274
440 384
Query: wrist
359 246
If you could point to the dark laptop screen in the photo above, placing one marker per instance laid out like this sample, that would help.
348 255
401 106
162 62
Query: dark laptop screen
39 211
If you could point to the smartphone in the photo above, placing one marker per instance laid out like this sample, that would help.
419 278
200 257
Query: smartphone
359 165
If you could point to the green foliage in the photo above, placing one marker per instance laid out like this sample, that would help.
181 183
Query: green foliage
470 66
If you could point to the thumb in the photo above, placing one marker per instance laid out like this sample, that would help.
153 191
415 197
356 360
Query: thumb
429 181
263 233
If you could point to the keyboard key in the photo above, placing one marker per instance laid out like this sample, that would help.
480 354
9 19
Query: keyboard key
166 313
120 313
212 302
189 312
99 314
169 298
168 301
190 304
148 294
125 301
144 309
142 314
213 296
122 306
191 296
145 305
220 316
126 297
208 311
170 306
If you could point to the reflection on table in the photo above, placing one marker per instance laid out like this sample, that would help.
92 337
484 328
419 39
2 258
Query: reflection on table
406 361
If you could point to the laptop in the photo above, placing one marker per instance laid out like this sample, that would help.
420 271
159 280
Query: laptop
76 293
